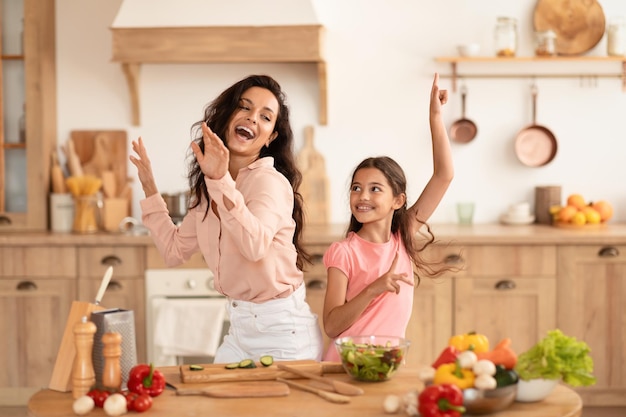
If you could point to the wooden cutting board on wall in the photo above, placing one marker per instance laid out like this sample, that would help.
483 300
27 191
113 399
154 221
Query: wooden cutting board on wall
100 150
315 188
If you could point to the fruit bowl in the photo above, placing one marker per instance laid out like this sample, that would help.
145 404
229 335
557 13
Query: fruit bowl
478 402
371 358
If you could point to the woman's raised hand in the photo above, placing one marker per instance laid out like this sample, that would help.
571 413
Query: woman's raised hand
214 161
437 97
144 168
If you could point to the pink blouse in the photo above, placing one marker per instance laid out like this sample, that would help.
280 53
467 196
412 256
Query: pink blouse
249 248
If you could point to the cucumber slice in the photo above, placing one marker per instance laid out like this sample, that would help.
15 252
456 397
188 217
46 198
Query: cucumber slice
196 367
233 365
266 360
247 363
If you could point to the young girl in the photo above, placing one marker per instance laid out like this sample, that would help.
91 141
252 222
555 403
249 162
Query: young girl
370 272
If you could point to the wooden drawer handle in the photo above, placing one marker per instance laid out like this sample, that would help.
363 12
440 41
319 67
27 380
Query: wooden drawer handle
4 220
114 286
316 284
26 286
316 258
111 260
505 284
453 259
608 252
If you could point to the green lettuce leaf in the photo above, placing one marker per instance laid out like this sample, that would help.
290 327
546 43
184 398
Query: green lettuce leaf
558 356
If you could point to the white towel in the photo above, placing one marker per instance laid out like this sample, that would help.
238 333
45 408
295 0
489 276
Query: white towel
189 326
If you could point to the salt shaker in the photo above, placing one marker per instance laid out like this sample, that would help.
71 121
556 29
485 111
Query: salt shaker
112 350
83 374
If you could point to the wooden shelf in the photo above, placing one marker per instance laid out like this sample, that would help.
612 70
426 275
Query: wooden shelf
455 60
133 47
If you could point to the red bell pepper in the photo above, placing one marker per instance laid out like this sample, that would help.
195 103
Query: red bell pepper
445 400
144 379
448 355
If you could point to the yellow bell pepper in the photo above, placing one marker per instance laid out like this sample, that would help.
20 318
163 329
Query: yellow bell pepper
452 373
470 341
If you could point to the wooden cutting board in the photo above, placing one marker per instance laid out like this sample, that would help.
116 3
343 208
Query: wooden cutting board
315 187
579 24
219 373
258 389
102 150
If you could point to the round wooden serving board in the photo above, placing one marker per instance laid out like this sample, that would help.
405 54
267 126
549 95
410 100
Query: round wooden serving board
579 24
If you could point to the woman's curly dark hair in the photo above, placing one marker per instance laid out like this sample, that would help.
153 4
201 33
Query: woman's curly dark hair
217 115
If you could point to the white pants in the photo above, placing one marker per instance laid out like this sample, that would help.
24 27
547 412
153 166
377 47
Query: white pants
284 328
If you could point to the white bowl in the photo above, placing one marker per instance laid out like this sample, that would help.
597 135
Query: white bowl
469 49
534 389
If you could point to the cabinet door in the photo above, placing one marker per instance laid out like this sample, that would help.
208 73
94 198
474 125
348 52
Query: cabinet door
591 307
127 287
315 281
124 293
508 291
34 313
431 320
28 91
522 309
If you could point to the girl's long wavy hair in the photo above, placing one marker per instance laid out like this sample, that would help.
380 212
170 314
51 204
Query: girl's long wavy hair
401 222
217 115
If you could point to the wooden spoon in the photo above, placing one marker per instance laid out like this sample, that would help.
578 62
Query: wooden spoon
339 386
328 396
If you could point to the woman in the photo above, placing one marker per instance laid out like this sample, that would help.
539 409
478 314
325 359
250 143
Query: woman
246 218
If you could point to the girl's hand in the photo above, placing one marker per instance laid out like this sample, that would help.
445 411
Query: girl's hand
389 280
214 161
144 168
437 97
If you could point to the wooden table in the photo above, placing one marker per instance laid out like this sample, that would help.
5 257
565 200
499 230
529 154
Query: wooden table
563 402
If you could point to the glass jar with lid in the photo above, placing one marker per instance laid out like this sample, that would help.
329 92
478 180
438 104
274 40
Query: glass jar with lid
545 43
506 37
616 37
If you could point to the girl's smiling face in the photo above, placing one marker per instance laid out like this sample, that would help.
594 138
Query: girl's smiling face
371 196
251 126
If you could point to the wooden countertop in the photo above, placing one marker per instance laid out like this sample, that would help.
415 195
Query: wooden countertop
563 402
477 234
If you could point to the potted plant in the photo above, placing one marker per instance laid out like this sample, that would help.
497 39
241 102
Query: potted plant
555 358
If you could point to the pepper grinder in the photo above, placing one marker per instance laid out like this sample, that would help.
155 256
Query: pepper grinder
83 376
112 350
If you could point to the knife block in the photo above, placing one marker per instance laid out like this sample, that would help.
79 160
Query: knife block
61 379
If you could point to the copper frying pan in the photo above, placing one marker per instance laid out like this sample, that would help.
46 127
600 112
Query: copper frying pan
535 145
463 130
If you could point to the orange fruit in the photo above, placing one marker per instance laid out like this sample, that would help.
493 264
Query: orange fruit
604 208
566 213
577 201
592 216
579 219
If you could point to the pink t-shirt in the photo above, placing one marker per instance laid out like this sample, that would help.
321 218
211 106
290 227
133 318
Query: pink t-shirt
249 248
364 262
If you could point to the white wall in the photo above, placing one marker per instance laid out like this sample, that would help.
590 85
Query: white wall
380 58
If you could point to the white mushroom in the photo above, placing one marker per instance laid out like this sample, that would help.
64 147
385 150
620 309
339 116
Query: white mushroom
83 405
484 366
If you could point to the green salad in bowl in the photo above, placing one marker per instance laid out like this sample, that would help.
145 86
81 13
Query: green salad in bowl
372 358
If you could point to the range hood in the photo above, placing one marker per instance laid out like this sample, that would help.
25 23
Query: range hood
218 31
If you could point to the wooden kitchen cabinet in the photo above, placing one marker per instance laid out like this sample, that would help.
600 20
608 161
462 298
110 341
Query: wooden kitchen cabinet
591 307
507 291
36 293
28 87
126 290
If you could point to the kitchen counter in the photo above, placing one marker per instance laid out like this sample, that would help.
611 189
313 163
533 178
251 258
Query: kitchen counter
491 233
563 402
494 233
